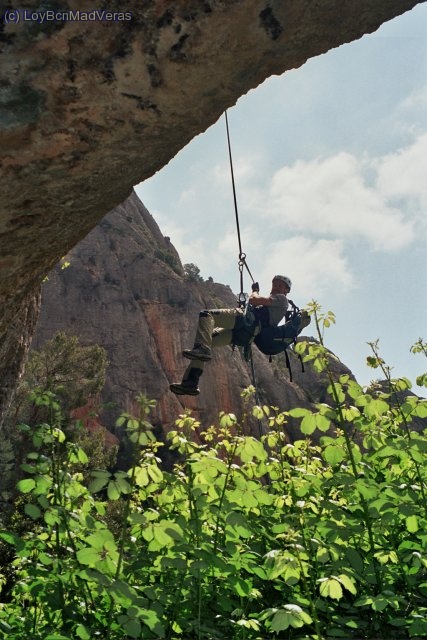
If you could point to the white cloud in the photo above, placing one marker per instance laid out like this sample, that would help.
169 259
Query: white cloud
402 176
314 266
187 197
333 197
416 100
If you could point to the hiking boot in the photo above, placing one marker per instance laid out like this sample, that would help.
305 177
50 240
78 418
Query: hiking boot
185 388
198 352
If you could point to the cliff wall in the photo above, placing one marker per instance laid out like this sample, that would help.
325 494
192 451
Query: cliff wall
90 107
125 289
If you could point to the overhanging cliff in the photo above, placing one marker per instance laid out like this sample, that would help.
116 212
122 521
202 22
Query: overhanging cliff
88 108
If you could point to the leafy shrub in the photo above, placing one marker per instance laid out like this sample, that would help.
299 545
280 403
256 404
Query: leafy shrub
73 373
244 539
192 272
65 367
168 258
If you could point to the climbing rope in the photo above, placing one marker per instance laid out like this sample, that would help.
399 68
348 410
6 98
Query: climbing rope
242 256
242 264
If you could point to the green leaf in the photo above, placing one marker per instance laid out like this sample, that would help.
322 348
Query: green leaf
384 557
123 485
398 622
132 626
355 559
152 620
241 587
103 538
422 380
308 425
376 407
26 485
155 473
401 384
334 454
281 621
113 490
100 480
12 538
251 449
380 603
347 583
284 564
82 457
299 413
418 626
227 420
330 587
313 421
33 511
88 556
369 490
357 455
92 575
354 390
291 615
420 410
350 413
238 523
122 593
43 484
165 533
412 524
322 422
82 632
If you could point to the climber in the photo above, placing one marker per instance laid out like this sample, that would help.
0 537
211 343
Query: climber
217 328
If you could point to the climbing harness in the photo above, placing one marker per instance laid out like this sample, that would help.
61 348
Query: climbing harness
277 339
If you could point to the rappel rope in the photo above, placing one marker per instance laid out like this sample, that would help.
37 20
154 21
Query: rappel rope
242 256
242 263
242 297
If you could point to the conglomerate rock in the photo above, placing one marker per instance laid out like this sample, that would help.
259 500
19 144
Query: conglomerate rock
126 290
90 107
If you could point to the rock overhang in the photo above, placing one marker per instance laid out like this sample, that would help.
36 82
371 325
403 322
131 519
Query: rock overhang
88 108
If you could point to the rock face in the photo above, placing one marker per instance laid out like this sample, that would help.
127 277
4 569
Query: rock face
92 103
125 289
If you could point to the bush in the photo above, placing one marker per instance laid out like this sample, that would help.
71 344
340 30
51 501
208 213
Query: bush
74 374
244 539
192 272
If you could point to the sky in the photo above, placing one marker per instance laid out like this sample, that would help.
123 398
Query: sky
331 180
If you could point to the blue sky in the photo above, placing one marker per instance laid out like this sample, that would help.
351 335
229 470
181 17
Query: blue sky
331 178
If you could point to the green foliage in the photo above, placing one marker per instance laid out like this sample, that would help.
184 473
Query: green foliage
64 367
168 258
420 347
72 373
192 272
245 538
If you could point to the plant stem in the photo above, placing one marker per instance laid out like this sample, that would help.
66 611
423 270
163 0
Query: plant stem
343 426
408 433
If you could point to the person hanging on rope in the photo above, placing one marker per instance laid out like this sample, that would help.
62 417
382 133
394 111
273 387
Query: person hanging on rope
217 327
